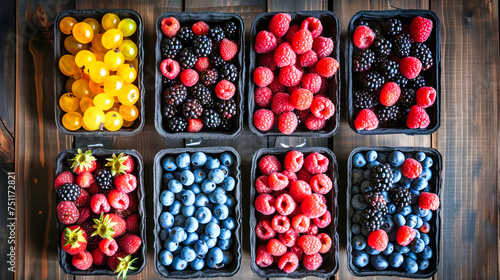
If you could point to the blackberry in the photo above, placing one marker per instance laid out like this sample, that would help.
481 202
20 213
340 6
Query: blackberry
187 58
423 53
192 108
216 60
363 60
211 119
167 82
388 115
365 99
226 124
377 61
376 201
360 23
393 27
69 192
229 72
226 108
407 98
400 196
175 95
203 94
389 68
382 47
202 46
417 83
170 47
399 79
381 177
230 29
104 179
169 111
209 76
402 44
216 33
372 219
185 34
377 31
177 124
373 80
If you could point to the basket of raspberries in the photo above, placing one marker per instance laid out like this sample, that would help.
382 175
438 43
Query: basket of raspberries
100 212
197 195
294 213
394 61
393 224
200 62
294 86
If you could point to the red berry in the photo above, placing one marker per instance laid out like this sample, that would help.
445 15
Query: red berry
228 49
404 235
263 119
289 262
316 163
378 240
264 203
313 206
276 86
98 257
289 237
99 203
108 246
313 229
279 24
292 177
313 123
194 125
428 201
118 199
189 77
420 29
321 183
410 67
311 82
291 32
308 58
302 41
83 199
301 223
85 179
262 186
294 161
323 46
389 94
310 244
202 64
93 189
281 103
284 55
290 76
277 181
324 220
134 202
126 183
263 96
82 260
322 107
114 262
296 249
366 119
417 118
74 240
299 190
276 248
269 164
225 90
327 67
287 122
280 223
129 243
84 215
264 230
304 175
170 26
301 99
265 42
67 213
363 37
425 96
133 223
285 204
170 68
411 168
263 258
263 76
326 243
267 60
313 25
65 177
200 28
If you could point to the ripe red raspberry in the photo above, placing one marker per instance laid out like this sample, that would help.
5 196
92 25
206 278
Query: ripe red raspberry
322 107
200 28
285 204
84 215
313 25
417 118
304 175
313 123
316 163
410 67
313 229
326 243
323 46
280 223
98 257
296 249
264 230
389 94
263 258
299 190
312 262
225 90
321 183
310 244
276 248
189 77
264 203
308 58
287 122
269 164
291 32
405 235
425 96
366 119
327 67
277 181
170 68
302 41
284 55
301 223
261 185
228 49
428 200
294 160
279 24
99 203
363 37
292 177
263 76
411 168
276 87
289 237
267 60
202 64
263 119
265 42
311 82
194 125
313 206
289 262
170 26
301 99
420 29
290 76
378 240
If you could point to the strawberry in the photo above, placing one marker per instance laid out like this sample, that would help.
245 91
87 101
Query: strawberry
98 257
121 263
109 226
67 213
228 49
108 246
83 162
121 164
129 243
420 29
65 177
85 179
74 240
83 199
82 260
195 125
133 222
126 183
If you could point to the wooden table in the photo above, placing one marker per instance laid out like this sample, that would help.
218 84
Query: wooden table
468 138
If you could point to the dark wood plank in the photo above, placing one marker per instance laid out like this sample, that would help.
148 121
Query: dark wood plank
468 139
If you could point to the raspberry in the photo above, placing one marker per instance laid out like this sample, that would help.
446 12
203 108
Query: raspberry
363 37
267 60
310 244
277 181
420 29
316 163
311 82
263 76
366 119
284 55
280 223
285 204
281 103
200 28
265 42
405 235
269 164
67 213
323 46
301 223
194 125
321 183
264 203
276 248
228 49
289 262
290 76
313 25
296 249
303 115
263 119
133 223
264 230
313 229
99 203
93 189
279 24
389 94
202 64
276 87
170 26
313 206
428 200
292 177
189 77
304 175
327 66
98 257
301 99
170 68
308 58
261 185
263 258
118 199
302 41
425 96
299 190
313 123
324 220
294 161
417 118
378 240
108 246
291 32
326 243
225 90
410 67
84 215
322 107
289 237
287 122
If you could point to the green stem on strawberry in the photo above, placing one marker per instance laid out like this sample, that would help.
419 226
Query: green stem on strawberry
104 227
124 266
74 237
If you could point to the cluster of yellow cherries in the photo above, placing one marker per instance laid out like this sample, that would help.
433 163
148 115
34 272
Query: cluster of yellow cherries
102 67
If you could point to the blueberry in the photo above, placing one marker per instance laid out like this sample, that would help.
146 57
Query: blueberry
419 211
379 262
178 263
364 231
399 220
229 223
179 221
167 177
356 218
419 222
409 265
388 224
405 211
228 183
166 257
355 229
195 188
420 156
177 234
183 160
370 165
360 258
358 160
428 217
355 189
212 163
175 186
414 197
218 196
191 239
216 176
221 212
427 163
191 224
166 220
188 254
203 215
198 159
211 242
230 201
422 264
187 178
201 200
412 256
200 247
425 238
371 251
167 198
357 176
365 187
199 175
228 257
164 234
175 208
411 220
210 263
367 175
386 196
396 158
224 244
188 197
396 176
426 253
197 264
417 245
225 170
419 184
177 175
178 250
226 159
207 186
389 249
212 230
168 164
426 174
171 245
224 234
396 259
357 202
405 182
359 242
417 234
401 249
370 156
215 254
391 208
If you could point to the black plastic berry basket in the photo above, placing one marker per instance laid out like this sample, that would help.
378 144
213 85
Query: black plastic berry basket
187 19
432 76
331 260
236 248
435 185
63 164
331 28
60 78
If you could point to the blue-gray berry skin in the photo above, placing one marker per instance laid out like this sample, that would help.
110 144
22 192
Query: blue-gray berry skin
370 156
409 265
371 251
358 160
379 262
359 242
396 158
357 202
360 258
396 259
